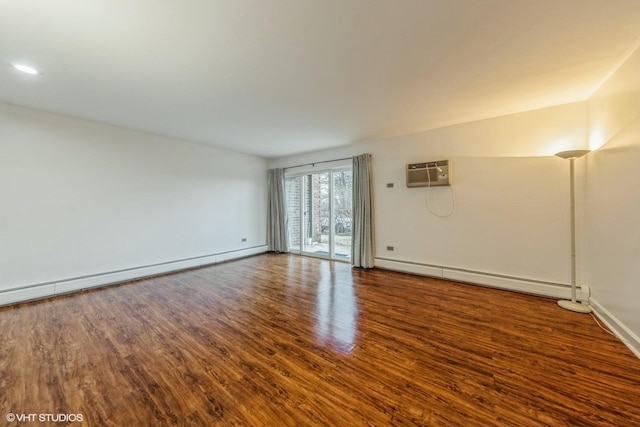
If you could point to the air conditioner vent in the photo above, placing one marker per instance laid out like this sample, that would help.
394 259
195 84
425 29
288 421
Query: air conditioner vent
428 174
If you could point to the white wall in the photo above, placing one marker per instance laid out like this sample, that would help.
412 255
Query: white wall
612 215
511 195
80 198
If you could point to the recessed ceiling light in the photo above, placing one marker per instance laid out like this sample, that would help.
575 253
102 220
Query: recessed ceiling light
25 69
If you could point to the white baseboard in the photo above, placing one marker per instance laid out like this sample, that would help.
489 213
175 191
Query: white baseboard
518 284
625 334
409 267
13 296
44 290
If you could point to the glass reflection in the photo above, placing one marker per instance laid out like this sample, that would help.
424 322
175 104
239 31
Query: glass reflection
336 308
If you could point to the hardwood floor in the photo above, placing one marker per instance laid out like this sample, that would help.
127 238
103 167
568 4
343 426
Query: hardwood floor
279 340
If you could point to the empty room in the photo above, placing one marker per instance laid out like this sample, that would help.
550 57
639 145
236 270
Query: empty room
320 213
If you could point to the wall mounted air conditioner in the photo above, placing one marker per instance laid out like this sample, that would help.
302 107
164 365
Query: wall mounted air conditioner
428 174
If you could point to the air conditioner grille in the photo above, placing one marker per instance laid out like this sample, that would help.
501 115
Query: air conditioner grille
428 174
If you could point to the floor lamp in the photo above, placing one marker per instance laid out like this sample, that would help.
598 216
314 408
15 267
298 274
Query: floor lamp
573 305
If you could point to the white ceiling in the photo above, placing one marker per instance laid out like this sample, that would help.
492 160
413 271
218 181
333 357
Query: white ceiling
281 77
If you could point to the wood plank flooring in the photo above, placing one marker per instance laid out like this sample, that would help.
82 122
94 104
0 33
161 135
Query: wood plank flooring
278 340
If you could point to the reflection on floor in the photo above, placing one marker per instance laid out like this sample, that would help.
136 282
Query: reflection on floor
336 309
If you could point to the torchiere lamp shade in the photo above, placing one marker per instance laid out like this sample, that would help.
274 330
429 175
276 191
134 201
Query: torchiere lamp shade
572 154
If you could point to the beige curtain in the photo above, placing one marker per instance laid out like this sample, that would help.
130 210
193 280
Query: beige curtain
362 231
277 239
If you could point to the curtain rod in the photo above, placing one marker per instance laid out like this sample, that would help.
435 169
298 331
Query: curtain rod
317 163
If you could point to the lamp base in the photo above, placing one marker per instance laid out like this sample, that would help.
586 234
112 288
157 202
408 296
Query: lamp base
574 306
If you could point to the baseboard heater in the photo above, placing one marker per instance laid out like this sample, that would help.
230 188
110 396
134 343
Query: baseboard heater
518 284
64 286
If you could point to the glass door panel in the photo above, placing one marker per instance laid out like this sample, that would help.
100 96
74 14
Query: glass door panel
292 188
316 214
342 213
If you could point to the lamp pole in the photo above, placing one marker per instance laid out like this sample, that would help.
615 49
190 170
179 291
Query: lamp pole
573 305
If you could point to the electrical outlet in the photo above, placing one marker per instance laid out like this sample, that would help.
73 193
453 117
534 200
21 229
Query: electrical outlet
244 239
390 248
390 185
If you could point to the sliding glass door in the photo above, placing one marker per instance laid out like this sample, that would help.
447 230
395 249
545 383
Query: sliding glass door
319 213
